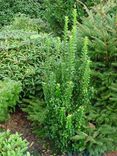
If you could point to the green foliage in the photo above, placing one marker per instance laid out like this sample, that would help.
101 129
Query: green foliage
9 95
11 7
83 76
96 141
62 116
56 9
65 115
23 22
22 52
36 110
13 144
100 27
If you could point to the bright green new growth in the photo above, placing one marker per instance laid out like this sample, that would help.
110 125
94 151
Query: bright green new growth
84 74
13 145
9 95
64 116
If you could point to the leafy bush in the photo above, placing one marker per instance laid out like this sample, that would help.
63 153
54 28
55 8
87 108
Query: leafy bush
56 9
13 144
22 54
11 7
61 115
21 59
9 95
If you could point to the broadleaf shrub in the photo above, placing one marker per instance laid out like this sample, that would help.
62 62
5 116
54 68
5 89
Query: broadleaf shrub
13 144
22 52
9 95
62 115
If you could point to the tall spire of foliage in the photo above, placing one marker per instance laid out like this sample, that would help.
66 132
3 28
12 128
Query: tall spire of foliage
84 74
65 116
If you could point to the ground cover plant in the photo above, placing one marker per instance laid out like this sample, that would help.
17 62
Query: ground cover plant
58 65
13 144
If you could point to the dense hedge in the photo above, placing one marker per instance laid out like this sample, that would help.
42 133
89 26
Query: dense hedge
22 54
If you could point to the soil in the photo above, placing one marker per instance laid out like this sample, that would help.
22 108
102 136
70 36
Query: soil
111 154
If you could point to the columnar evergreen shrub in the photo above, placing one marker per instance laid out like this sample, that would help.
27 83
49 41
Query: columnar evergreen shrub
13 144
9 95
64 116
61 114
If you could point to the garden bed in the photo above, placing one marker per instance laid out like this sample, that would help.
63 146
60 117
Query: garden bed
19 123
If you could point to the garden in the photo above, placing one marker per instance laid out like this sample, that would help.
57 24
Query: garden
58 78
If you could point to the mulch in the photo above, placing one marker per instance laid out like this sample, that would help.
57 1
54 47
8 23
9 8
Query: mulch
111 154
